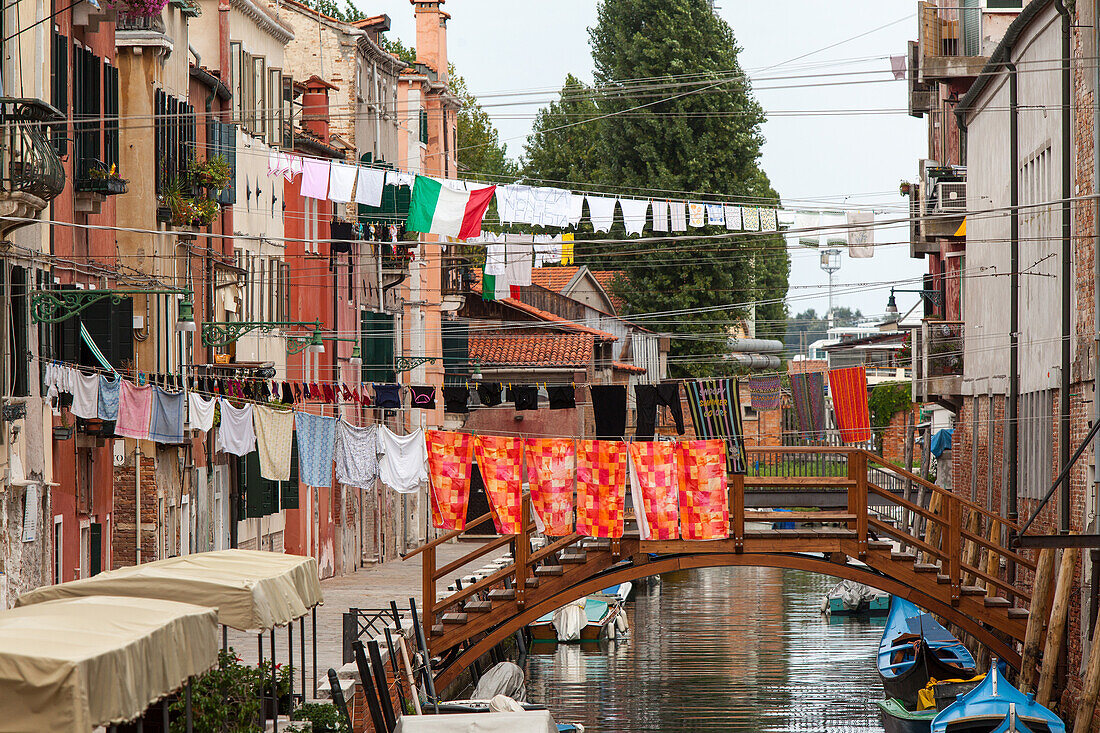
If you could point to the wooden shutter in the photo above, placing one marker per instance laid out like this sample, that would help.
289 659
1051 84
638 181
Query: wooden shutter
255 490
274 111
110 114
59 93
95 548
289 489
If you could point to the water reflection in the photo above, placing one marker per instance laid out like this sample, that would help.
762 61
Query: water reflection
719 649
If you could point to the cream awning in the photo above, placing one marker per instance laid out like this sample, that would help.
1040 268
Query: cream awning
75 664
252 590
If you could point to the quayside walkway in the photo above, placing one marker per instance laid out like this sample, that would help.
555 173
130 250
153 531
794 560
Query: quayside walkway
891 529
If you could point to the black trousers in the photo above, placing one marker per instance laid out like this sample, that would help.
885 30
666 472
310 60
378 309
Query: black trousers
648 398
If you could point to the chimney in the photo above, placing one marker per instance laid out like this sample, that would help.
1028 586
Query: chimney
315 107
431 35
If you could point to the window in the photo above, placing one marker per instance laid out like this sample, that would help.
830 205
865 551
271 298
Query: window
273 289
284 291
424 126
259 96
258 283
236 81
87 95
59 91
288 112
173 137
274 107
110 114
1036 443
20 351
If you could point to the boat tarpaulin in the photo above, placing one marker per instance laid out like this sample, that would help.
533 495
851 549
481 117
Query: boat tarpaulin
76 664
251 589
533 721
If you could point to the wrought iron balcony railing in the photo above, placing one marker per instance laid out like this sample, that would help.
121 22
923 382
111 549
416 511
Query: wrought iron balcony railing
153 24
28 164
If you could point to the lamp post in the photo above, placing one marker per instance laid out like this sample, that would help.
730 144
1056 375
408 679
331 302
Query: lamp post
932 296
830 263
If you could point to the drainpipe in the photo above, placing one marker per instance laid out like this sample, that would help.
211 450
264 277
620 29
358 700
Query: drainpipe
1067 273
1012 409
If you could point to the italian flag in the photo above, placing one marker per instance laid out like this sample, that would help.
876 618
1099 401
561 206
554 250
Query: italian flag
437 209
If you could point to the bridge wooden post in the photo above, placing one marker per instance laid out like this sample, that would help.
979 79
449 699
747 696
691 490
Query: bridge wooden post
427 591
857 499
523 549
737 510
954 548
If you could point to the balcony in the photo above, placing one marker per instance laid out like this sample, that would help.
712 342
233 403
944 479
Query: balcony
938 362
951 41
30 171
143 32
457 276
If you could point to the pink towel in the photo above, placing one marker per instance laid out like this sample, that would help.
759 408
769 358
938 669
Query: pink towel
315 174
135 404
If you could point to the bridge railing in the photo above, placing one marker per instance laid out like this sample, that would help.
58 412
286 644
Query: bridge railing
963 543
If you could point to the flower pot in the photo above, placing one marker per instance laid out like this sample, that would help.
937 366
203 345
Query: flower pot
62 433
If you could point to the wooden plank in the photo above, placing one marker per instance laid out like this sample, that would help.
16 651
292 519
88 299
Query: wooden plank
485 549
857 500
1036 621
736 492
523 549
1056 629
838 482
427 590
999 549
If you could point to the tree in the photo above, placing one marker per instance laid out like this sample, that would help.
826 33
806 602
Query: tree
688 123
480 152
398 49
816 327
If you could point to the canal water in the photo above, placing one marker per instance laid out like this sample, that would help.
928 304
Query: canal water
719 649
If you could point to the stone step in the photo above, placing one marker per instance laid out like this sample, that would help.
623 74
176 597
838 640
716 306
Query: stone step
925 567
903 556
477 606
454 618
574 558
972 590
502 594
1018 613
997 602
546 570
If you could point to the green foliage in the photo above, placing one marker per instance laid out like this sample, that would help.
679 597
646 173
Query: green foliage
702 134
816 327
399 49
213 173
224 700
480 154
886 400
325 718
349 13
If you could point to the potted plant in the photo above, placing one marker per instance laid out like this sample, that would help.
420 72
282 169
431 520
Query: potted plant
138 8
97 177
905 188
284 679
212 174
64 431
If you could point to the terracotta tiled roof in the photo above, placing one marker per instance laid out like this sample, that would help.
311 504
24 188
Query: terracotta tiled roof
605 278
532 347
628 367
556 319
553 278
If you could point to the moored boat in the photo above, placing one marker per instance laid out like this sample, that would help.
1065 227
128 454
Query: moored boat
585 620
849 598
916 648
896 718
995 706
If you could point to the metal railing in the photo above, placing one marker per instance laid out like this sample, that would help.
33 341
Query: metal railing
950 30
153 24
942 348
28 164
457 276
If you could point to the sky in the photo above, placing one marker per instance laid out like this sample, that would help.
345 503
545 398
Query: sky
814 160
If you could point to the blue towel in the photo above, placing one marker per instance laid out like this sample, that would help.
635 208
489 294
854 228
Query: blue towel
108 398
316 443
166 423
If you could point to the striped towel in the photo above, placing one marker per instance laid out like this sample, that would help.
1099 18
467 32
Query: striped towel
848 388
808 394
764 392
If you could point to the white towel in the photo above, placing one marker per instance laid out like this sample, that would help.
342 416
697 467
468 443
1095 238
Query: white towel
403 462
837 233
807 221
520 256
236 433
368 191
601 211
634 214
679 217
861 234
200 412
545 250
356 455
660 216
733 218
494 258
716 215
315 178
341 181
576 209
85 396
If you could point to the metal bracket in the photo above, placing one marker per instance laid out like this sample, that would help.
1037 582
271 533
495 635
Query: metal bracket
223 333
54 306
408 363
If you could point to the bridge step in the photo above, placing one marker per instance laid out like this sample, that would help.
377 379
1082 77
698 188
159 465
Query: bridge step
925 567
903 556
477 606
1018 613
943 579
455 618
437 630
880 545
997 602
532 582
502 594
543 570
596 544
972 590
574 558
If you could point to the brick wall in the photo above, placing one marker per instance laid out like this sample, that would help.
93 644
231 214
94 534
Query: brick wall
122 513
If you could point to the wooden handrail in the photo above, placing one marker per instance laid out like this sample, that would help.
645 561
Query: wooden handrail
483 584
872 458
818 449
841 482
890 530
1007 587
467 559
1002 551
915 508
550 549
449 536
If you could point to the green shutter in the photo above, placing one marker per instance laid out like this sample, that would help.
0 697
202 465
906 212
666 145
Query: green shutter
290 488
377 347
255 489
95 548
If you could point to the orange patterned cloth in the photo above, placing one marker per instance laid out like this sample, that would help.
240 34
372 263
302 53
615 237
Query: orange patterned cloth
550 472
601 487
500 461
654 487
450 457
704 502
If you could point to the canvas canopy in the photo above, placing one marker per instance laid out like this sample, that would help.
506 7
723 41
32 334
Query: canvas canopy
75 664
535 721
252 590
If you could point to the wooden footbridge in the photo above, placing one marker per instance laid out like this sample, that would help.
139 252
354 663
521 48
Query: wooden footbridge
896 532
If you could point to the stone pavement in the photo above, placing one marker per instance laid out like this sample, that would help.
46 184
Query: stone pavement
373 587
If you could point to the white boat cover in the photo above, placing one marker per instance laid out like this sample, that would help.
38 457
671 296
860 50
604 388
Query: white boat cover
72 665
534 721
251 590
570 620
504 678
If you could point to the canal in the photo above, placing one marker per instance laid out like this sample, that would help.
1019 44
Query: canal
719 649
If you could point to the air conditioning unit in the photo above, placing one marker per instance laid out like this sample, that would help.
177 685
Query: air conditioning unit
950 197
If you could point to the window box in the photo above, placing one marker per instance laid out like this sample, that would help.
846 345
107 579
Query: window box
62 432
94 176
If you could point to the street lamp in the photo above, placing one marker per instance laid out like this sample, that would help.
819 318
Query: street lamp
356 359
185 322
830 263
932 296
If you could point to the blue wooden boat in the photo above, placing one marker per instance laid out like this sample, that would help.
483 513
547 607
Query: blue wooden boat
916 648
995 706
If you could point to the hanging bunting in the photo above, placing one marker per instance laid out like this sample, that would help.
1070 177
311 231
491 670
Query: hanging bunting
715 406
440 209
500 461
550 468
704 501
848 388
450 456
654 489
601 487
